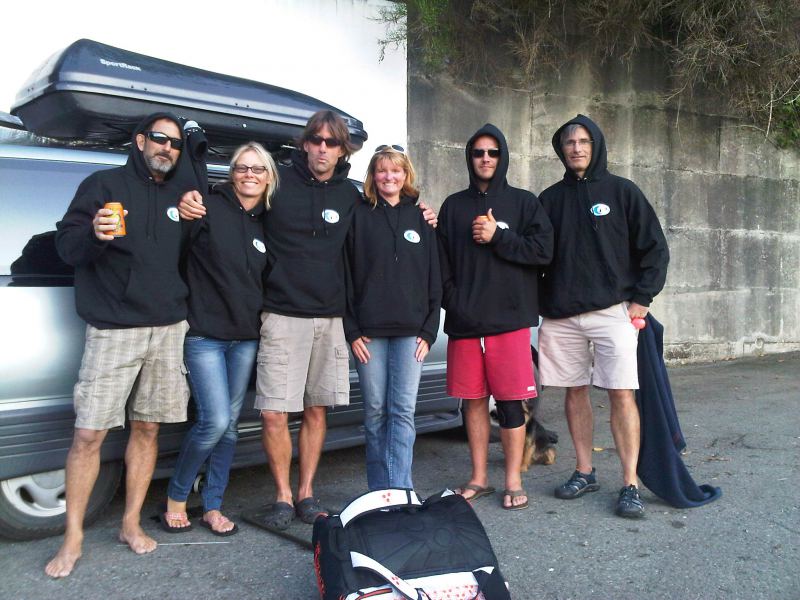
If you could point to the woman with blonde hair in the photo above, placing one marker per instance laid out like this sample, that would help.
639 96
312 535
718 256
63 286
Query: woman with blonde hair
224 258
394 298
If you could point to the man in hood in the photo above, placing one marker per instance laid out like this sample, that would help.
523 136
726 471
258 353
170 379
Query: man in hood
129 291
610 260
493 238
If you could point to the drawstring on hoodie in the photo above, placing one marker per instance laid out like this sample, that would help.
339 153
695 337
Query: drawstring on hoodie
315 204
592 216
385 206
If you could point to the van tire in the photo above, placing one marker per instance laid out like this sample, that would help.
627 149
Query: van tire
21 518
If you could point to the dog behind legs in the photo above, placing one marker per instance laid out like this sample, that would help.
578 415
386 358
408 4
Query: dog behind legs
539 442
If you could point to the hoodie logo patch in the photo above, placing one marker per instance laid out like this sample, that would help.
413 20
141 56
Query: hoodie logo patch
259 245
330 216
411 236
600 210
173 214
502 225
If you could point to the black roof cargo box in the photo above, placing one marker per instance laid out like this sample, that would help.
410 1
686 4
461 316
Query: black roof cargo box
94 92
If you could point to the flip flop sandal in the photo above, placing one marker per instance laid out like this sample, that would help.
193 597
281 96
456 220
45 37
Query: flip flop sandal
309 509
479 491
217 522
165 517
515 494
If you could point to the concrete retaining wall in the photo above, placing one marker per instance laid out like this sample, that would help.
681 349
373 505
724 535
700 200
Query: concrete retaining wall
728 200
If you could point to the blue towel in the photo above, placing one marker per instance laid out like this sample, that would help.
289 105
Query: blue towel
661 467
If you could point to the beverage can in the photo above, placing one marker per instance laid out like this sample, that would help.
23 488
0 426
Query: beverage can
116 207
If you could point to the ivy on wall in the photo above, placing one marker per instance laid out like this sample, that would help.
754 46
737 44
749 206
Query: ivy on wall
746 52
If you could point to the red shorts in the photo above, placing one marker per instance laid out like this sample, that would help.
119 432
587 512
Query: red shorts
500 365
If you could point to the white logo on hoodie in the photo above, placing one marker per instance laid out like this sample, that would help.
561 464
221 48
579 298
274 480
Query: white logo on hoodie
330 215
411 236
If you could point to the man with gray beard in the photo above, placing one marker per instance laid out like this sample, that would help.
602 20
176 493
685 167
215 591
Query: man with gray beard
129 291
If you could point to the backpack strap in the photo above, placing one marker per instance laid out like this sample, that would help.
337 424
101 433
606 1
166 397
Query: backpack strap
491 584
377 500
400 584
489 581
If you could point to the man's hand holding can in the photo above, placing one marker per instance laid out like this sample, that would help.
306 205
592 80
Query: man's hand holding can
109 222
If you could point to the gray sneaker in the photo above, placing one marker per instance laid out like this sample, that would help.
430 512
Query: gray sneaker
577 485
629 504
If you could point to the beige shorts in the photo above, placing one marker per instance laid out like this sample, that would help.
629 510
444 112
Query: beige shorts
565 356
141 368
301 362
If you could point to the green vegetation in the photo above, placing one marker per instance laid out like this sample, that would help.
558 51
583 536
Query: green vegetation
744 52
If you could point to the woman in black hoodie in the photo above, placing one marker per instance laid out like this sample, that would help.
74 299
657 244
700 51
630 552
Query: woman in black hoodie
224 260
394 298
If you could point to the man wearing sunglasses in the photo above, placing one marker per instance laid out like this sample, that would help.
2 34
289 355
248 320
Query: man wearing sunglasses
610 260
493 238
129 291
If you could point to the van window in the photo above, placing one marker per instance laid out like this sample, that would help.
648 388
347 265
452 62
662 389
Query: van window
34 195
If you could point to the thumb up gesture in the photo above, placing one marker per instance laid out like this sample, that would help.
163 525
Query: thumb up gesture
483 228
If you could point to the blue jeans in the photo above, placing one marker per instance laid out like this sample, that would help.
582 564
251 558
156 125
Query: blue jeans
219 372
389 384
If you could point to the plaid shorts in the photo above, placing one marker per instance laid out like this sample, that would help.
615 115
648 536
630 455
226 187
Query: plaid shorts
141 368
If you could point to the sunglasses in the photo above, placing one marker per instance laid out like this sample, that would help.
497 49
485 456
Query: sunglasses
256 169
479 152
162 138
387 148
329 141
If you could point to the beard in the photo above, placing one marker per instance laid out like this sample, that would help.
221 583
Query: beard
159 163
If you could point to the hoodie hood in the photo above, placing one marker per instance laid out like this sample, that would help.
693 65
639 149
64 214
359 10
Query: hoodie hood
300 162
598 166
498 182
136 158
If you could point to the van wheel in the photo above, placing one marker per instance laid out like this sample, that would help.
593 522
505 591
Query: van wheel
34 506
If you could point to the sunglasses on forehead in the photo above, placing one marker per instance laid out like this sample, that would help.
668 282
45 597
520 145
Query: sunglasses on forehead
479 152
329 141
161 139
388 148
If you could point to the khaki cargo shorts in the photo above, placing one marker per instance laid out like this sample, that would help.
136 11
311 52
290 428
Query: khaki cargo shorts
565 357
141 368
301 362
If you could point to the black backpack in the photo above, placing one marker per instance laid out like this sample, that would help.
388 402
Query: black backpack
388 545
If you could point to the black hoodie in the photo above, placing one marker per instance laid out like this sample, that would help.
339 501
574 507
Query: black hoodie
609 246
223 267
492 288
131 281
395 288
306 228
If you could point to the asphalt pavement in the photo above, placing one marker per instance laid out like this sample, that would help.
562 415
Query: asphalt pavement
740 419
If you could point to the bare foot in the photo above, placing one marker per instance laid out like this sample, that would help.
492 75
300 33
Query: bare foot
64 561
137 539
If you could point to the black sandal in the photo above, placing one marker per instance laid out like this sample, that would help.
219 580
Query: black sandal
275 516
309 509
